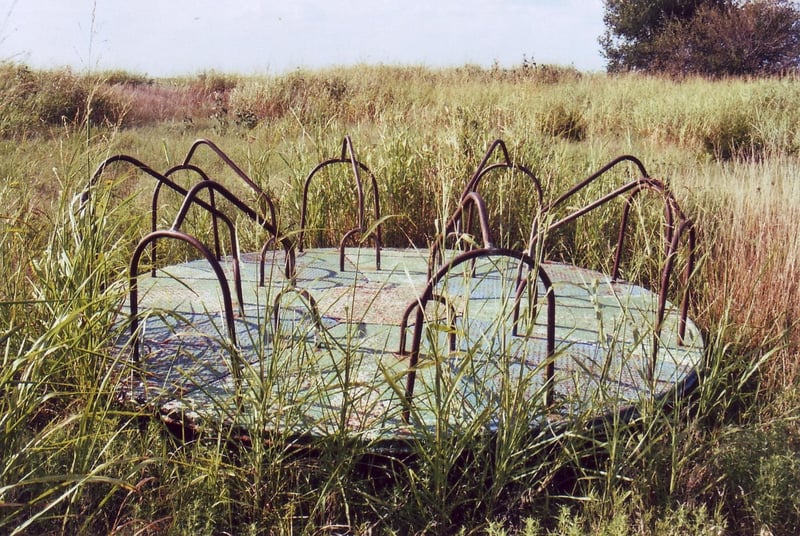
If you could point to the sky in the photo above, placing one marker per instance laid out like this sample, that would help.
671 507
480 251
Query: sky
185 37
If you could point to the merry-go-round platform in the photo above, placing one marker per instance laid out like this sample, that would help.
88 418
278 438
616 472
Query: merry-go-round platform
393 344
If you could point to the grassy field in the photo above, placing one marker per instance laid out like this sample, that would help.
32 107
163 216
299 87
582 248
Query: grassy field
727 462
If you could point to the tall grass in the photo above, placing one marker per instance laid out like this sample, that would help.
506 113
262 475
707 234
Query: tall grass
73 460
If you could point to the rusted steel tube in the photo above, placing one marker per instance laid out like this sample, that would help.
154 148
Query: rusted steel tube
347 157
428 293
261 194
311 305
597 203
484 169
161 180
594 176
669 211
166 181
470 200
203 177
250 213
506 164
471 185
551 325
262 258
407 314
133 298
348 153
181 216
675 225
347 235
141 166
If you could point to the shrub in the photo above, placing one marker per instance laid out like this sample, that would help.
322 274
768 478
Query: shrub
759 471
564 121
35 99
731 134
125 78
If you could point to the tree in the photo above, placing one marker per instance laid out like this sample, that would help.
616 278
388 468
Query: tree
708 37
633 27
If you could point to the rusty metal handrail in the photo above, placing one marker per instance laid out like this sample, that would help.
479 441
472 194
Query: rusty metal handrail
246 210
468 202
164 180
495 145
428 295
484 168
347 156
596 175
133 272
261 194
311 305
676 225
141 166
161 180
154 210
407 314
188 202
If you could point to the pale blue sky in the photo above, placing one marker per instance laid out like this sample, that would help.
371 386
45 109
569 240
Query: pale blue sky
167 37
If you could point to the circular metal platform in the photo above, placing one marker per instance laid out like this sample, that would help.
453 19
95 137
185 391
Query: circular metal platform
325 353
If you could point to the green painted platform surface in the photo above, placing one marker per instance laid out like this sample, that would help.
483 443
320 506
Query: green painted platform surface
337 368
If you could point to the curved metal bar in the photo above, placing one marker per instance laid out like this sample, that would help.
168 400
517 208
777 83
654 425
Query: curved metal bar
666 273
347 235
597 203
136 163
507 163
469 200
262 259
343 242
348 150
154 213
161 180
551 325
181 216
676 224
472 182
427 295
671 237
475 182
484 169
272 228
311 304
686 226
669 215
203 177
347 157
247 211
221 279
262 195
594 176
164 180
407 314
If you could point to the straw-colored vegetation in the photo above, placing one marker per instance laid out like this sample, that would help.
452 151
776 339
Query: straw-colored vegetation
725 462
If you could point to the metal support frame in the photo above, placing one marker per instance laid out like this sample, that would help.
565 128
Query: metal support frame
676 227
348 156
428 294
269 225
678 231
